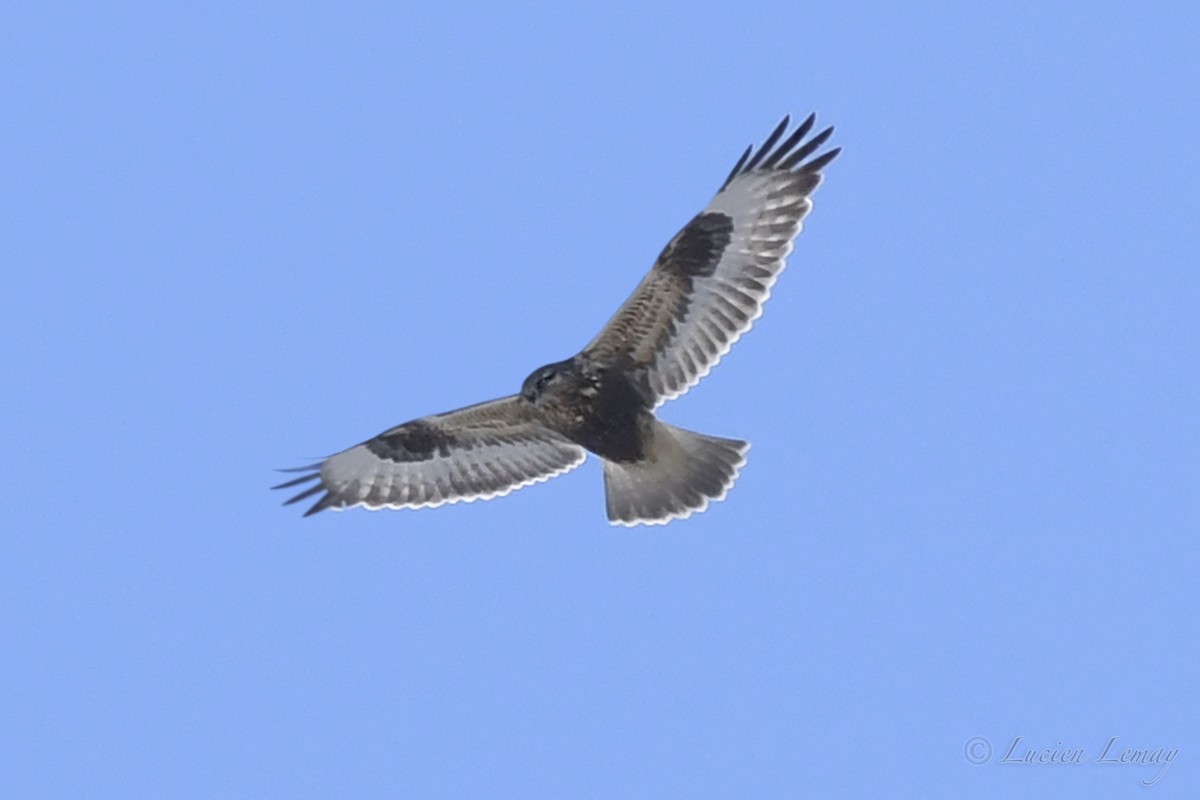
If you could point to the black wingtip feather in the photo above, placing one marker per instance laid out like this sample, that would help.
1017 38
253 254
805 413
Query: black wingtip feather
319 506
769 143
738 166
820 162
808 149
785 156
792 141
297 481
309 492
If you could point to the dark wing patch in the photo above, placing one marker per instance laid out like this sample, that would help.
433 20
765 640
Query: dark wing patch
696 250
479 452
416 441
709 284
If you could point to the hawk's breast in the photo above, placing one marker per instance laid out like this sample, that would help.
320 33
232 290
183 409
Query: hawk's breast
604 413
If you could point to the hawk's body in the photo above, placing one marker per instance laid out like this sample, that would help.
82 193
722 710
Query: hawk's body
704 291
595 407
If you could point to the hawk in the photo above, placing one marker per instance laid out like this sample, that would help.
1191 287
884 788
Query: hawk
704 291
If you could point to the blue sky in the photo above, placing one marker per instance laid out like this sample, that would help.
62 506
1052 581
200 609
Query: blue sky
235 239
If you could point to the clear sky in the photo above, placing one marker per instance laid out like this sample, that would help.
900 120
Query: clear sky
235 239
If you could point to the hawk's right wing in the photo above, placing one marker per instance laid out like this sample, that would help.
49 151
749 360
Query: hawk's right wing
710 282
481 451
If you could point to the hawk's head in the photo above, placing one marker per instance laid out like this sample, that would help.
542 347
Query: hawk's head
551 380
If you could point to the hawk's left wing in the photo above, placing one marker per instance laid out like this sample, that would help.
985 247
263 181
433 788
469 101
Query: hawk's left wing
710 282
481 451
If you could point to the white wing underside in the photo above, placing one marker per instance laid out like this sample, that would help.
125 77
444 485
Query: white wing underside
361 478
710 283
767 209
475 453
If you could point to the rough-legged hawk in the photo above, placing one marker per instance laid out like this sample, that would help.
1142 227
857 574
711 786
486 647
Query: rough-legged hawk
704 291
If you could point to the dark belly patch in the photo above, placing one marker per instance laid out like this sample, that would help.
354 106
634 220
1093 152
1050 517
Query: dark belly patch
612 420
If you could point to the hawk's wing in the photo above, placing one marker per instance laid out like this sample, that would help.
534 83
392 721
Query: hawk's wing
710 282
481 451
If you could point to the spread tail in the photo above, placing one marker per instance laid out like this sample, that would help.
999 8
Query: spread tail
679 475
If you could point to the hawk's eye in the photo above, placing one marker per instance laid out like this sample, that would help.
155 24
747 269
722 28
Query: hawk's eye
545 378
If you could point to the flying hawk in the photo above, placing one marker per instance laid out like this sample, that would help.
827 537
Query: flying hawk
704 291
